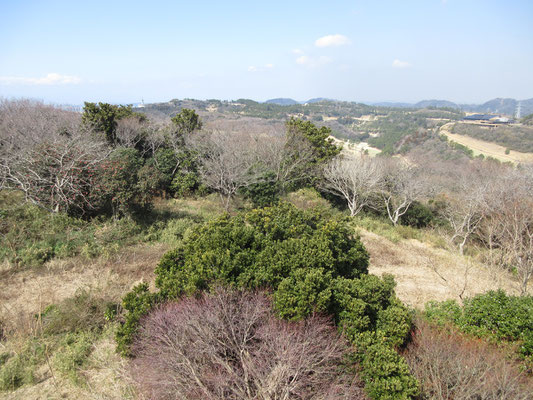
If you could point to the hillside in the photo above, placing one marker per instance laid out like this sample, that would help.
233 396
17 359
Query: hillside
282 102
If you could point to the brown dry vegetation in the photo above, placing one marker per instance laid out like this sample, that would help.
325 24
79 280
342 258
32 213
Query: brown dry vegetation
423 271
486 148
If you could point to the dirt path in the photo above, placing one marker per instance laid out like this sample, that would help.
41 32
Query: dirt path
486 148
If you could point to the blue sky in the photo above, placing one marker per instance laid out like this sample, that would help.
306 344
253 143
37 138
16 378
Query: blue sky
118 51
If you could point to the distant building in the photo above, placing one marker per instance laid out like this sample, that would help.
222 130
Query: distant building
479 117
488 118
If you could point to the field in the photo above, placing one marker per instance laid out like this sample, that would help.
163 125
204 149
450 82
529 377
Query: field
488 149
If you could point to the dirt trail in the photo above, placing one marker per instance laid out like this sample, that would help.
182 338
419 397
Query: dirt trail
486 148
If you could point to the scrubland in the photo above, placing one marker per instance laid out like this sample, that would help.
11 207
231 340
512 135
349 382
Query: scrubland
419 274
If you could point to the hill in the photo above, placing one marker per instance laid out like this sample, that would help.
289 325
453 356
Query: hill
282 101
436 104
500 106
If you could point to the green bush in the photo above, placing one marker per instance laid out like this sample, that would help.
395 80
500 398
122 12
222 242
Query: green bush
311 262
72 354
493 315
19 368
82 312
417 215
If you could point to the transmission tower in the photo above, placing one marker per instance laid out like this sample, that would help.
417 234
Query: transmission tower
518 112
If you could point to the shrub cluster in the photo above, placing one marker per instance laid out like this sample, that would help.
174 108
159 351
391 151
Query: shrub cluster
493 315
229 345
310 263
452 366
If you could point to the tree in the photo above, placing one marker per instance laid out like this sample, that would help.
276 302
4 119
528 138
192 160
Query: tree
323 145
295 157
510 223
401 185
186 122
468 202
124 184
227 162
229 345
354 178
104 117
49 157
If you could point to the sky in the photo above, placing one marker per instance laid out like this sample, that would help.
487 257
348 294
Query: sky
68 52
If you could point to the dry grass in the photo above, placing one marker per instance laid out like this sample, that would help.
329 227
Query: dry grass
27 292
105 378
487 148
425 273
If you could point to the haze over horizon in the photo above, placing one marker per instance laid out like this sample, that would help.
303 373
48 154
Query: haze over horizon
122 52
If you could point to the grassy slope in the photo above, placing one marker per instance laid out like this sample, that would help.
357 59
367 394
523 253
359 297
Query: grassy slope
424 271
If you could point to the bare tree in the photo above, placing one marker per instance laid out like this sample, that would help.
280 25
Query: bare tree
509 227
48 156
453 366
400 186
228 162
355 178
468 202
130 132
229 345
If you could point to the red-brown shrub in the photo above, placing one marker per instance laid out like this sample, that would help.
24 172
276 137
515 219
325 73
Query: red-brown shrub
452 366
229 345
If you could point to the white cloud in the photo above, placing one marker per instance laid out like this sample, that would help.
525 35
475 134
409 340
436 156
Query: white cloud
332 41
252 68
49 79
313 62
400 64
297 51
269 66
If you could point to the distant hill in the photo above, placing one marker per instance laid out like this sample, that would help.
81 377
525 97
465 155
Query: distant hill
316 100
392 104
436 104
282 101
500 106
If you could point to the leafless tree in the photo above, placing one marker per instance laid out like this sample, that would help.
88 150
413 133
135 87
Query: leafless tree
228 345
468 202
452 366
47 155
130 132
508 229
355 178
400 186
227 162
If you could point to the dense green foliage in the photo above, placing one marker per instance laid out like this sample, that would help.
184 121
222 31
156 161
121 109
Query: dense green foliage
186 121
123 184
103 117
418 215
323 147
311 263
494 315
